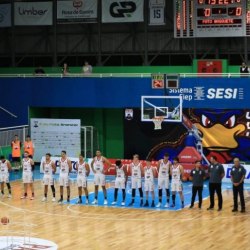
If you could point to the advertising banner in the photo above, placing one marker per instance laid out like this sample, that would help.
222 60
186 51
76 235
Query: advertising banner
157 12
33 13
77 11
5 15
121 11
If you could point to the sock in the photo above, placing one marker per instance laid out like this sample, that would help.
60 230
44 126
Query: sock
182 202
173 198
133 195
141 193
2 191
116 193
160 195
53 190
9 187
25 194
32 193
45 195
96 197
87 197
168 195
123 194
61 197
68 196
80 197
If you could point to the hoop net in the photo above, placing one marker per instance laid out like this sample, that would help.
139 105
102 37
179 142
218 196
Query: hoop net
157 122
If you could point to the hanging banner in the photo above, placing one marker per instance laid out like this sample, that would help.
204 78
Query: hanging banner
77 11
121 11
33 13
5 15
157 12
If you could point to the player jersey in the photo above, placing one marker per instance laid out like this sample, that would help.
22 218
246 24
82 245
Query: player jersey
164 169
64 166
136 170
82 169
4 167
148 173
120 172
47 168
176 173
27 167
98 165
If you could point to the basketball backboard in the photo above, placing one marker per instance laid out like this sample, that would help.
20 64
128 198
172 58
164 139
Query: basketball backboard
167 107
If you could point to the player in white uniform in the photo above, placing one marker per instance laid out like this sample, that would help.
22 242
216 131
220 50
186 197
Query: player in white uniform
5 168
149 175
65 169
163 168
120 181
49 168
136 171
28 168
97 166
176 185
83 170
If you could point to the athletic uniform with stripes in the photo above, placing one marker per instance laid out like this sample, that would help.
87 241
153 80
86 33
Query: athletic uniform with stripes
48 173
81 175
149 179
4 172
120 177
64 172
176 185
136 175
99 176
27 171
163 176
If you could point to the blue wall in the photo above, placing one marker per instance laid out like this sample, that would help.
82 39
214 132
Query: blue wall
17 94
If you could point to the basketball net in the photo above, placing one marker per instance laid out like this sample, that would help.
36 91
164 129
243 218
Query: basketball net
157 122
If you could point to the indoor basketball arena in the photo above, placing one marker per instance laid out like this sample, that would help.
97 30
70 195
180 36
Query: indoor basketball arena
124 124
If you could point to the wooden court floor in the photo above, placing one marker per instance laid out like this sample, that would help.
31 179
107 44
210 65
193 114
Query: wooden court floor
87 227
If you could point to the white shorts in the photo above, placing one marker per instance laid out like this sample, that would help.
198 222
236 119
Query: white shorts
163 183
148 186
120 183
27 177
135 182
48 180
81 181
99 180
64 180
176 186
4 177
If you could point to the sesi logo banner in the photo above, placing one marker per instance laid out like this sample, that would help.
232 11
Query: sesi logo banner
120 11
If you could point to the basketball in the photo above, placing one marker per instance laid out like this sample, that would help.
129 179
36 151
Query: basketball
5 220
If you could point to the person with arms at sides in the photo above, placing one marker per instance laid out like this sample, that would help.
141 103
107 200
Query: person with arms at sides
87 68
163 169
49 168
216 173
177 172
149 175
5 168
120 181
65 69
83 171
244 70
197 176
238 174
28 168
136 170
97 166
29 146
65 169
16 146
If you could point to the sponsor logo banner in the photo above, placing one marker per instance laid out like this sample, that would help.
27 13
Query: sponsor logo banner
77 11
157 12
121 11
5 15
33 13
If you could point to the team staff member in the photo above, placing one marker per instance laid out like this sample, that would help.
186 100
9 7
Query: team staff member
197 175
238 173
29 146
216 173
16 146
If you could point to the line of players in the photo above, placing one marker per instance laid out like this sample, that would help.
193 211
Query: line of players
165 169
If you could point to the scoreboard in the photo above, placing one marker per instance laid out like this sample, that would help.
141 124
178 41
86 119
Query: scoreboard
211 18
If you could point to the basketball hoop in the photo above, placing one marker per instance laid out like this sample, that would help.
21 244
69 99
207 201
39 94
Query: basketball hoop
157 122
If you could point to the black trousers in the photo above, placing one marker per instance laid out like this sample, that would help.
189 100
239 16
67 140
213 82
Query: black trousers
215 187
239 190
196 189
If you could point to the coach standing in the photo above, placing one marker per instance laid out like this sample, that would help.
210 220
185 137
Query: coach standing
216 174
238 173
